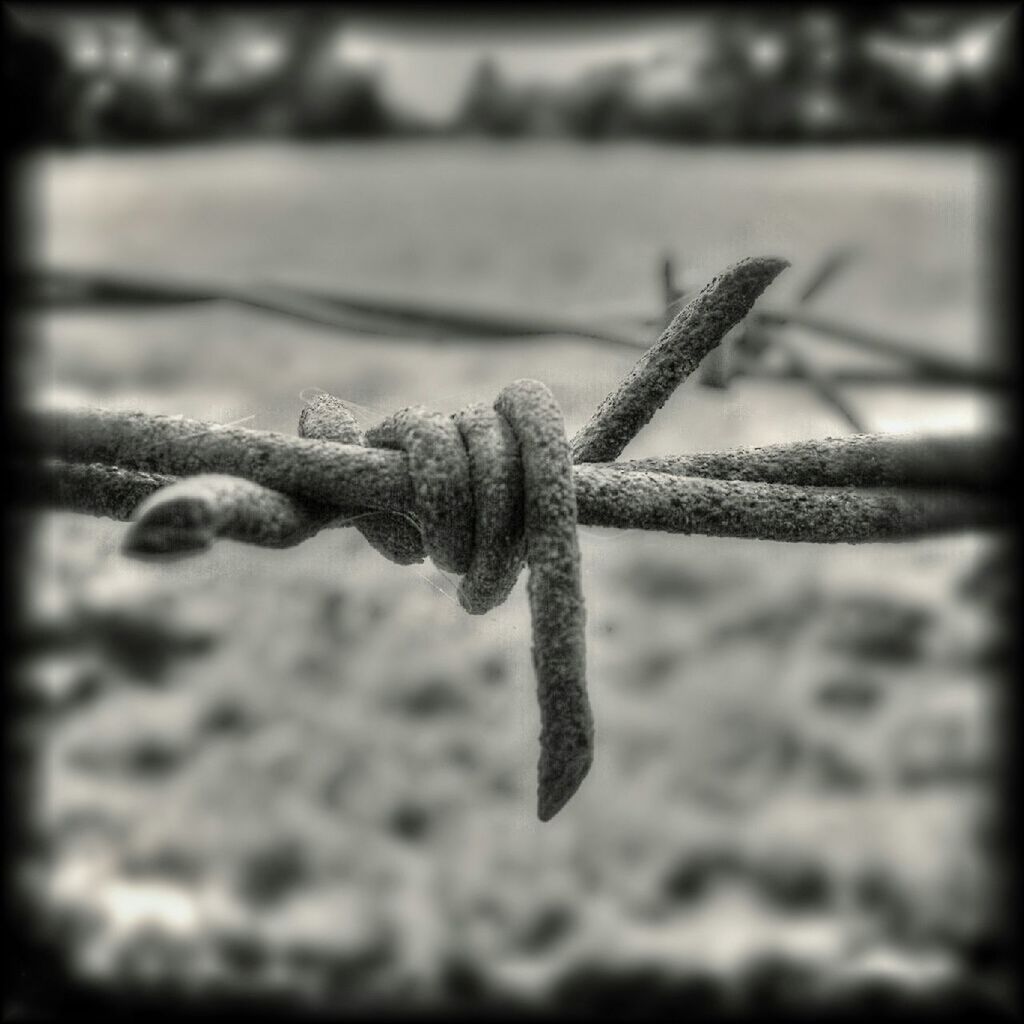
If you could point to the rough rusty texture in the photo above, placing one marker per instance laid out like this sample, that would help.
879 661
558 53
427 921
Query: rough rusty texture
190 514
326 418
96 489
867 460
499 547
785 512
556 597
439 468
669 502
863 460
90 488
695 331
321 472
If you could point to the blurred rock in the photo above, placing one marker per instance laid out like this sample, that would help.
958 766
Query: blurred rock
145 627
60 681
853 695
659 581
227 717
268 874
794 882
874 628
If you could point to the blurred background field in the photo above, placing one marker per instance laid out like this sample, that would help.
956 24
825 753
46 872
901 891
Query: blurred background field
308 773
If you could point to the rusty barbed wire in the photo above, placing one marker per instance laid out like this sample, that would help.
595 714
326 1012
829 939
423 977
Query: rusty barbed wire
836 490
486 489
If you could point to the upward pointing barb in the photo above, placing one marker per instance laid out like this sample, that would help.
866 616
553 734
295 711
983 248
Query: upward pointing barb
694 332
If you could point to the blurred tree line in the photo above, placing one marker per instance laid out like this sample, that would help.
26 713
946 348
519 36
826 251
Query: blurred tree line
167 73
162 74
776 74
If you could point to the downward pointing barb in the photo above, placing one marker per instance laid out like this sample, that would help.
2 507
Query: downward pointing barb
559 783
556 596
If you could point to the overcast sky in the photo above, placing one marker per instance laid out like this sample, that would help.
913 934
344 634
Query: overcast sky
425 66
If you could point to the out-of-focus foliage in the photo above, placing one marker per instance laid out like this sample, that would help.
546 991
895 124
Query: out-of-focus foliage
166 73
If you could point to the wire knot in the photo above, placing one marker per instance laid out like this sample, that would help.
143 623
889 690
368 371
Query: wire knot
493 489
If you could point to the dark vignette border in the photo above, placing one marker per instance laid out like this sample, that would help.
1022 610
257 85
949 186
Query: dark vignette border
38 984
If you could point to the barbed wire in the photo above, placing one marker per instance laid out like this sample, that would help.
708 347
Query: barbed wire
851 490
487 489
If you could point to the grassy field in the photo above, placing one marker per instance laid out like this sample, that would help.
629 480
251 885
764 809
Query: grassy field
309 772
